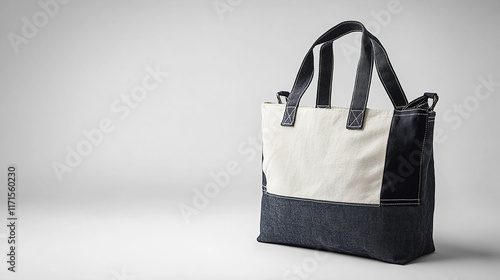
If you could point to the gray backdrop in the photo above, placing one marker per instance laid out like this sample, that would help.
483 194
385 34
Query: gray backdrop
134 126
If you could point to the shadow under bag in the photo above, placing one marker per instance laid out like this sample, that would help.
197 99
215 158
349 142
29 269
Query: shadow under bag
351 180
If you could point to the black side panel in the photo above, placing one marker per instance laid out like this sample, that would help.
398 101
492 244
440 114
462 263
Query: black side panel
401 184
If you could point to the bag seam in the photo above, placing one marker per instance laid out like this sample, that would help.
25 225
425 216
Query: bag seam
322 201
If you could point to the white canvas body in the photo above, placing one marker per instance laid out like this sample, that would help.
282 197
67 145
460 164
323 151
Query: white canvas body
319 159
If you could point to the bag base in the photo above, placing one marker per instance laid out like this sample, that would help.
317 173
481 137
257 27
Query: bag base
393 234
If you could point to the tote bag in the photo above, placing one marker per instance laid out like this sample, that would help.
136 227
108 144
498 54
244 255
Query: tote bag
351 180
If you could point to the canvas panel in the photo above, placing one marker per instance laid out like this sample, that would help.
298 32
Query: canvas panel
318 158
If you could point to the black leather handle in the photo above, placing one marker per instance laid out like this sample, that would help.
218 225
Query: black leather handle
384 69
371 49
387 75
325 76
306 72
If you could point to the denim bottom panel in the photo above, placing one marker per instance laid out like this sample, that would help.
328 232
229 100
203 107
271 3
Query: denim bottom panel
394 234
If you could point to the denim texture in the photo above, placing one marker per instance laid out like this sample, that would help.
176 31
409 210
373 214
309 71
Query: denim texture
394 234
391 233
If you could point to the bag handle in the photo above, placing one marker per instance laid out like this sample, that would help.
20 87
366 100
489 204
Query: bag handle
384 69
325 76
370 46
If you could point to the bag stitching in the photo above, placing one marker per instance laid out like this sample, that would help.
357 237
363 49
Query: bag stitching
289 115
422 160
397 203
361 112
322 201
410 114
407 110
395 77
385 86
399 199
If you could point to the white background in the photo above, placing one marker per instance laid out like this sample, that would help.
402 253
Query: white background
117 214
